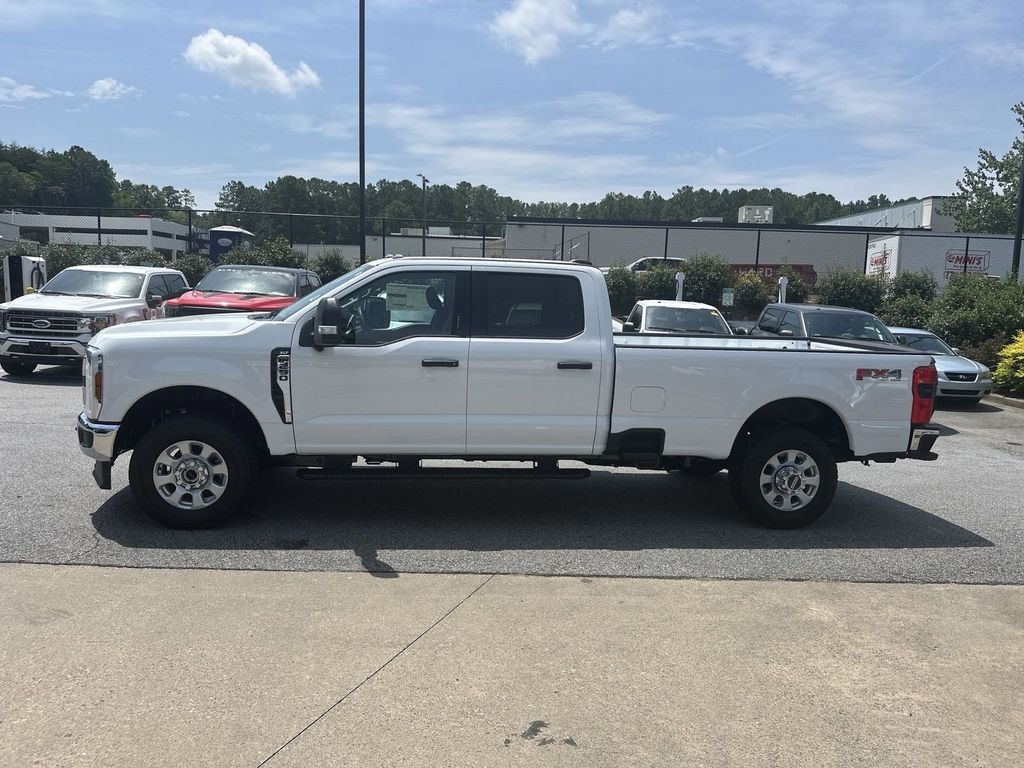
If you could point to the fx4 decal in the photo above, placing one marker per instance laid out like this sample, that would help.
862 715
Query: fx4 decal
879 374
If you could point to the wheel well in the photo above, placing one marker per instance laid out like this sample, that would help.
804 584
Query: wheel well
158 405
812 415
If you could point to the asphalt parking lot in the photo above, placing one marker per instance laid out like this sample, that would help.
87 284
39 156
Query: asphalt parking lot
955 520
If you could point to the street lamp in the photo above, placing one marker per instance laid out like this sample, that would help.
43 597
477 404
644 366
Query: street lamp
425 182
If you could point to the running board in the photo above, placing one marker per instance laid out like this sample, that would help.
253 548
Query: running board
443 473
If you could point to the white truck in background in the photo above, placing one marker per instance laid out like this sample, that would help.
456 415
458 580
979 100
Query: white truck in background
53 325
408 359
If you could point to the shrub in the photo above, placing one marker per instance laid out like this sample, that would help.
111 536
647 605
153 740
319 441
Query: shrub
656 283
706 275
1009 374
751 293
920 284
987 352
194 266
796 288
622 289
975 308
330 265
846 288
909 311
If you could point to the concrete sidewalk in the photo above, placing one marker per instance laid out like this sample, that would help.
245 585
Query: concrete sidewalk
133 667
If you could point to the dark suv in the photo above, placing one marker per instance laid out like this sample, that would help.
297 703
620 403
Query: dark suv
809 320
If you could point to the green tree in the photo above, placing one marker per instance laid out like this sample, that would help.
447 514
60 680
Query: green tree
751 293
330 265
921 284
273 253
622 289
847 288
974 308
907 311
656 283
706 275
986 197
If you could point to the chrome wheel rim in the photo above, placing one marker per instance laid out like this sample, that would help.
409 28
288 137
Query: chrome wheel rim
789 480
190 474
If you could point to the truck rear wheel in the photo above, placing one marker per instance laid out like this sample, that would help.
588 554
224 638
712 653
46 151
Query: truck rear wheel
16 367
786 479
191 472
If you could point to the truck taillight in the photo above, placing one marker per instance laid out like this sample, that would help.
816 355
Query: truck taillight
926 378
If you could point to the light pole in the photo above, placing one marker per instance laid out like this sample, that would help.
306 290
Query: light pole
362 131
425 182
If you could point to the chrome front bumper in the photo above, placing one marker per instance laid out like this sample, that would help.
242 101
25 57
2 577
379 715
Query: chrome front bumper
96 439
977 388
61 349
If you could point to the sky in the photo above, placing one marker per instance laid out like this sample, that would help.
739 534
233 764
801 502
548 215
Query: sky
557 100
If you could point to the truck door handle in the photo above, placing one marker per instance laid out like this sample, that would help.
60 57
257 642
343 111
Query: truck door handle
572 365
439 363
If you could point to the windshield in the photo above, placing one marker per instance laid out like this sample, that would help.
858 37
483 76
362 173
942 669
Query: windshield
102 285
324 290
686 320
930 344
247 280
847 325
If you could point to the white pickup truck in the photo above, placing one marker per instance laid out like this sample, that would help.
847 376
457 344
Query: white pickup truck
53 325
408 359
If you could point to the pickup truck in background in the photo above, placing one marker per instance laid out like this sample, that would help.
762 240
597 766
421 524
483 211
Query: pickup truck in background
244 288
53 325
408 359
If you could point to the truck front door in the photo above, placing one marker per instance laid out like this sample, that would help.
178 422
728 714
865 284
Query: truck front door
398 383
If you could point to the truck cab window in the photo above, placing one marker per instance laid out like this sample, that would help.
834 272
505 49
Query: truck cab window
401 305
527 306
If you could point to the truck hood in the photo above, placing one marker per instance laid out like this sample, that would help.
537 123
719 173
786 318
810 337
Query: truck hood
231 301
49 303
178 327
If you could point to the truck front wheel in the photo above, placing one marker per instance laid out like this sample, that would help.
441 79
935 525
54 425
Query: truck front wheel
191 471
16 367
786 479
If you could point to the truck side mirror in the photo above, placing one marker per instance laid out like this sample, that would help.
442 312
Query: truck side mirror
740 331
901 338
376 313
327 330
154 300
785 332
628 328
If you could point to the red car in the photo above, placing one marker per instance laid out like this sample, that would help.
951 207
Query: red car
243 288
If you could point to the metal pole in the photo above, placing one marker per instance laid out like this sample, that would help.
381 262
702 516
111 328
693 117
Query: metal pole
561 248
967 250
99 229
483 240
867 244
423 246
383 238
588 245
362 131
757 253
664 254
188 246
291 230
1015 264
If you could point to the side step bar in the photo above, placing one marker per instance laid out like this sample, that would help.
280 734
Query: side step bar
442 473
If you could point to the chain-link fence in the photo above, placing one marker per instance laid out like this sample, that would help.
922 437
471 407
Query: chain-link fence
811 251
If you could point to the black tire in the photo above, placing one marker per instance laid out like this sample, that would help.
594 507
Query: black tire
16 367
793 507
229 451
702 468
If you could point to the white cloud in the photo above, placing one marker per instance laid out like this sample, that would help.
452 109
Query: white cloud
632 26
1002 53
109 89
534 28
31 13
11 90
240 62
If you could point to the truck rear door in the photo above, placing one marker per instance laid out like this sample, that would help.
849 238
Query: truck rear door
535 363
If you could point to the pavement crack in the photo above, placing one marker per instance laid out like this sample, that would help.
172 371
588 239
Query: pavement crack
375 672
86 551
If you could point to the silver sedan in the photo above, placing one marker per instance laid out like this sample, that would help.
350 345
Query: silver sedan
959 376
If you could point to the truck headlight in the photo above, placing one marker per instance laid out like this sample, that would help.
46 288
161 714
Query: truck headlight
98 322
94 366
3 319
986 374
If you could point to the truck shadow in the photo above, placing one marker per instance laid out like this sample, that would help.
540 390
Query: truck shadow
610 511
52 376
